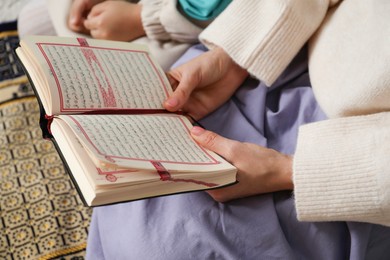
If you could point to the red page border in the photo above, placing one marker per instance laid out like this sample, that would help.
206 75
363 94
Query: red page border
214 161
62 109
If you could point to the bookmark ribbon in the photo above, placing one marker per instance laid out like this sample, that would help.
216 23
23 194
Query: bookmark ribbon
164 174
83 42
49 121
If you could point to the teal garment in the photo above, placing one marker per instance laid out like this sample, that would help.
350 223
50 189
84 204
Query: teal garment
203 9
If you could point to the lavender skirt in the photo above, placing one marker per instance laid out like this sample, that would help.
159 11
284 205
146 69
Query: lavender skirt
193 226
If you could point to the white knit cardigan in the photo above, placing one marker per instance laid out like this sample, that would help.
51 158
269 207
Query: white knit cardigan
341 165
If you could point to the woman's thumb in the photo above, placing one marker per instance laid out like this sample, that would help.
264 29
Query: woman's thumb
213 142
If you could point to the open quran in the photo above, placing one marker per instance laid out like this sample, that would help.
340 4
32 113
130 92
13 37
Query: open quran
101 105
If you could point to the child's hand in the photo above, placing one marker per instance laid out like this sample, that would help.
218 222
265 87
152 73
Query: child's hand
115 20
79 11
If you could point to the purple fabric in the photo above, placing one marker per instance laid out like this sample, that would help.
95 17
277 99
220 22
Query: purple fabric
193 226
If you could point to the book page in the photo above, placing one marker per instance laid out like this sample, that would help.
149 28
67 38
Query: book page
99 75
99 186
37 79
75 154
134 141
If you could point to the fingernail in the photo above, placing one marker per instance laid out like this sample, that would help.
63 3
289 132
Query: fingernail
73 20
196 130
172 102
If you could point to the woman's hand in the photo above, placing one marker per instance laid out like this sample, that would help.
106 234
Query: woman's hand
115 20
204 83
79 11
260 169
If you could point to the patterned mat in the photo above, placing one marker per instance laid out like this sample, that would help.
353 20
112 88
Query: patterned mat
13 82
41 214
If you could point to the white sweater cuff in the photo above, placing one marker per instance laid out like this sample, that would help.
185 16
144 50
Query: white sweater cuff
263 36
162 21
150 16
342 170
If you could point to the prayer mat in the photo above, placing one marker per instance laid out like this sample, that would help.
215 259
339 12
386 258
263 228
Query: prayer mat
41 214
13 82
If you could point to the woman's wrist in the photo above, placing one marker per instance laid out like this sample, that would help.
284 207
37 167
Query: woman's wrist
287 172
284 172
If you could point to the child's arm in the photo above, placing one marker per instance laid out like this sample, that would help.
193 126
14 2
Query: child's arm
163 21
115 20
78 13
121 20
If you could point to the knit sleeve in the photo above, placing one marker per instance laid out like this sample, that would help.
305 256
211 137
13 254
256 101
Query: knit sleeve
263 36
150 16
350 74
342 170
163 22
